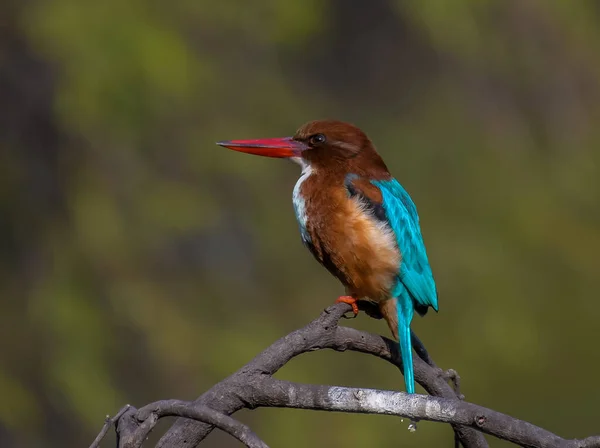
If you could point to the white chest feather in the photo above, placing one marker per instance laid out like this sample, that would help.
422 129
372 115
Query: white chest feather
299 202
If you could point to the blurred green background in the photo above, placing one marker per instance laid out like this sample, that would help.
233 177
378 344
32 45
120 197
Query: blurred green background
140 261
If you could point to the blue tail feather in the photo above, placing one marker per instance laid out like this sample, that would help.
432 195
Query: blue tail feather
405 310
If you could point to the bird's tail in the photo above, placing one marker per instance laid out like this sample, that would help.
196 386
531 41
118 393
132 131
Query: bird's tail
404 309
398 313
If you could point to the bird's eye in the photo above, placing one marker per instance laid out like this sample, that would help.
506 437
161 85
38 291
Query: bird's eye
317 139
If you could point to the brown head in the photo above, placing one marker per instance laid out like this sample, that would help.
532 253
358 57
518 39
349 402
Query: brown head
329 145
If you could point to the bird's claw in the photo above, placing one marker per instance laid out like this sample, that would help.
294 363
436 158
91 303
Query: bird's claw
350 301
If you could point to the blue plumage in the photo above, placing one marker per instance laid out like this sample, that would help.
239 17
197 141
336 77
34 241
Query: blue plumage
415 286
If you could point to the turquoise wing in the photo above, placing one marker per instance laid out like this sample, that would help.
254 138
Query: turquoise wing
415 272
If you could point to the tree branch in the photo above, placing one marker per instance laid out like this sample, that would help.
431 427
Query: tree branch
142 421
253 386
108 423
278 393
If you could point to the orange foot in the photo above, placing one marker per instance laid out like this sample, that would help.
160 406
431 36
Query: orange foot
350 301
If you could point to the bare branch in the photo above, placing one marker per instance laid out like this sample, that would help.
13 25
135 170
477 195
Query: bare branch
321 333
147 417
253 386
278 393
108 423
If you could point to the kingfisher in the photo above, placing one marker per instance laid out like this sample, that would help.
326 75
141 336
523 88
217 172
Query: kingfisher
358 222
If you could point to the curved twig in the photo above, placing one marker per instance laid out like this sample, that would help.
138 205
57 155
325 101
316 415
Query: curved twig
149 415
108 423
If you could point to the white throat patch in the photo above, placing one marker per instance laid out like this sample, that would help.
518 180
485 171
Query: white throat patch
299 203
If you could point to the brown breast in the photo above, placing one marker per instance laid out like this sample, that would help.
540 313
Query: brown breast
345 238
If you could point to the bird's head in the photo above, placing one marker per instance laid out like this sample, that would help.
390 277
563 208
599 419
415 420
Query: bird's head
324 143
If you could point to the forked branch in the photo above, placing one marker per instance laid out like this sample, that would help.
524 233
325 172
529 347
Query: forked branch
253 386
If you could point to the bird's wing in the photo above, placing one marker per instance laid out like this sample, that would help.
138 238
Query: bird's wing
388 201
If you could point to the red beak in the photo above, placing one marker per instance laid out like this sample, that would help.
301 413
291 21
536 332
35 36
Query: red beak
269 147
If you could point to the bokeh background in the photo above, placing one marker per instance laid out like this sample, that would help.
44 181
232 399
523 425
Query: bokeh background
140 261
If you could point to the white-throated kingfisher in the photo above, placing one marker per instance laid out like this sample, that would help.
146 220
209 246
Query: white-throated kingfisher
358 222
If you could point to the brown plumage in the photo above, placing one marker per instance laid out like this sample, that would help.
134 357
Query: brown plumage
351 243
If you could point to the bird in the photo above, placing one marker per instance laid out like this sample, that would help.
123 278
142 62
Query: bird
358 222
